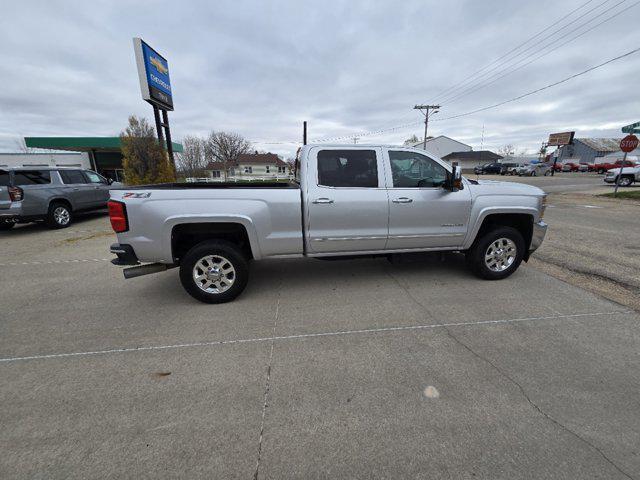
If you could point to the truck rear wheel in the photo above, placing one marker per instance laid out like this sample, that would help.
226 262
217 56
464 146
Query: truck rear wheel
214 271
497 254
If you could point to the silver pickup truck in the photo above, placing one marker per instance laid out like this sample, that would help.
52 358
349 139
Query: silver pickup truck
345 201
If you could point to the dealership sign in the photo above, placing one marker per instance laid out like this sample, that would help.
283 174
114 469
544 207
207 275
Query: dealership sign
559 139
153 72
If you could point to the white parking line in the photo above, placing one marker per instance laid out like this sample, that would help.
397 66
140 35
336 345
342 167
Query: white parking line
306 335
51 262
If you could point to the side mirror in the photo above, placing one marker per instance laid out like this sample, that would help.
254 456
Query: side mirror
109 181
454 179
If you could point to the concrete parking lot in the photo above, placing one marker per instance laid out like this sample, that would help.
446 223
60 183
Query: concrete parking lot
352 369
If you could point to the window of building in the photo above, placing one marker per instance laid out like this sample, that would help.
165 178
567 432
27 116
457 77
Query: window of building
248 170
31 177
70 177
282 169
215 174
347 168
414 170
268 168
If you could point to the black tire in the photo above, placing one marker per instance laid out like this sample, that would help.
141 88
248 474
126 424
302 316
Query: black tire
476 254
56 218
4 226
601 171
216 248
625 181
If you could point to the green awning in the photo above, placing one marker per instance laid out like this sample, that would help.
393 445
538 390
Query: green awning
82 144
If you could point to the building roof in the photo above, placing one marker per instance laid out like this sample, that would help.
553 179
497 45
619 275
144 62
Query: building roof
601 144
477 155
82 144
254 159
431 139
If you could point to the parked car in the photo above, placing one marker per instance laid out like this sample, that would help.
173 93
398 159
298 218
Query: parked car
509 168
534 170
347 200
583 167
603 167
51 194
570 167
488 168
630 175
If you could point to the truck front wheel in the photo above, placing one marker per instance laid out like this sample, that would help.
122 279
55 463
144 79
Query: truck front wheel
497 254
214 271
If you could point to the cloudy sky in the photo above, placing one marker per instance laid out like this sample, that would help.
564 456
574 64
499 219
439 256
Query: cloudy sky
260 68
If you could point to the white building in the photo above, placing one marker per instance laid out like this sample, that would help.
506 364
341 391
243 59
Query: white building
442 146
249 167
70 159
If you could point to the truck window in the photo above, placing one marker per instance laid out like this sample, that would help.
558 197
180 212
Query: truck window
414 170
347 168
4 178
31 177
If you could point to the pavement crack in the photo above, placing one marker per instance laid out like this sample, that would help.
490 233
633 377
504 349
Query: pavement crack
517 384
267 386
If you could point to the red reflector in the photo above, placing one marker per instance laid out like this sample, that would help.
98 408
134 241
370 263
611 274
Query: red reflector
118 216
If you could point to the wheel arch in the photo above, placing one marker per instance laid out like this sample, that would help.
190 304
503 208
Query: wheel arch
520 220
185 235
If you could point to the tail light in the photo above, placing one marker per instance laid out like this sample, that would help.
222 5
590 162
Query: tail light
16 194
118 216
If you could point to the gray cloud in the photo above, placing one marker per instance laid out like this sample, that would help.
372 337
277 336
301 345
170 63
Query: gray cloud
261 68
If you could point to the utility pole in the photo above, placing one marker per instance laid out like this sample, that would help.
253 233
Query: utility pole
428 111
355 140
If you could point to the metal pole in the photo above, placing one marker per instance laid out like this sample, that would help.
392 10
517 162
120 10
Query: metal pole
304 132
156 115
624 159
165 119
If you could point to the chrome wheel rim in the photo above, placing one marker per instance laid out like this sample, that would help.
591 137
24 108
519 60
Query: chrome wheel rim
61 216
214 274
500 254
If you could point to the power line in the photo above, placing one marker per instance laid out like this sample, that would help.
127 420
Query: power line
500 75
454 87
542 88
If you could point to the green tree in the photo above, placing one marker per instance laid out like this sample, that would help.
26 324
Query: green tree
145 161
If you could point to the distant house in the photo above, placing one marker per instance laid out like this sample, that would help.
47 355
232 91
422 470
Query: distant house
442 145
250 166
588 149
469 159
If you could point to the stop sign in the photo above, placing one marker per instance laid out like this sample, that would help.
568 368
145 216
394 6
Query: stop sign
629 143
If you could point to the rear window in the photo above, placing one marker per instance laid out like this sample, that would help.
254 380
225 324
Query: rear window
72 176
4 178
347 168
31 177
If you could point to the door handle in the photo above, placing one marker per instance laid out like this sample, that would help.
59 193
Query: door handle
76 188
402 200
322 200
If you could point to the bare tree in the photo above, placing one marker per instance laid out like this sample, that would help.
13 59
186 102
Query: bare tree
192 161
507 150
411 140
225 147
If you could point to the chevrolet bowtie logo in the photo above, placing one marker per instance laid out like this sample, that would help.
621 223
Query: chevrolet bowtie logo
156 62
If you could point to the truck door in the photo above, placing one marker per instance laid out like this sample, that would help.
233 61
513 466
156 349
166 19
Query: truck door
422 214
347 207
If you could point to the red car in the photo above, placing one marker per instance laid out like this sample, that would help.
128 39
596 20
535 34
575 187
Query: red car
604 166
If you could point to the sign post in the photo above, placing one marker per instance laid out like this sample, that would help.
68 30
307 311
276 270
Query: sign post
155 86
559 140
627 144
